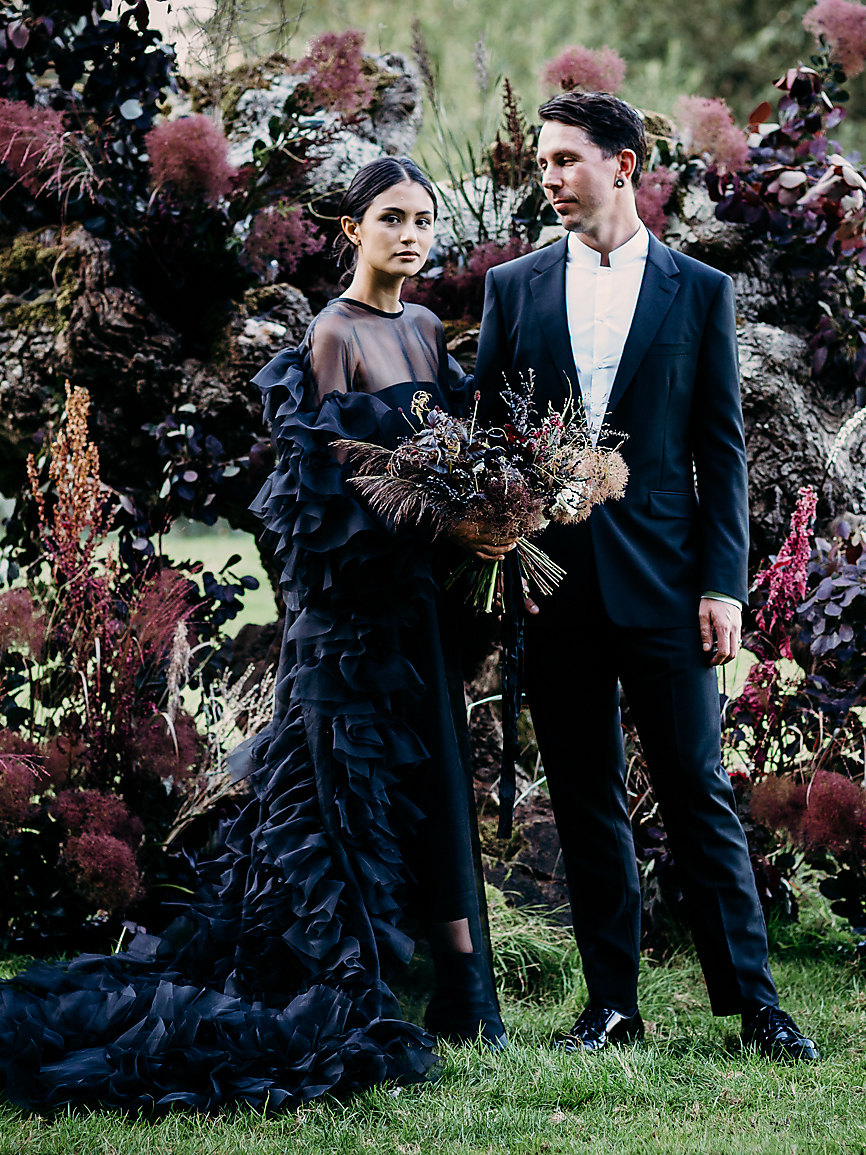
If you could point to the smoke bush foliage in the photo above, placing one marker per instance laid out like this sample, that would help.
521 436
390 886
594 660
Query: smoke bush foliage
279 237
709 130
458 293
30 140
826 817
191 154
652 196
841 25
800 739
589 69
334 71
96 749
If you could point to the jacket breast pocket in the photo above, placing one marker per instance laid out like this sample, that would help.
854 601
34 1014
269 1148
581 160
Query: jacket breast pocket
666 504
670 349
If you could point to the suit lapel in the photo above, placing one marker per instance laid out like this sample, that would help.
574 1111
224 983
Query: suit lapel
657 291
548 294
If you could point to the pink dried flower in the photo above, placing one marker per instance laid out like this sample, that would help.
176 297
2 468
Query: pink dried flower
283 234
828 814
22 623
152 746
20 772
653 193
459 292
590 69
779 804
62 754
103 870
31 142
709 129
842 25
335 67
162 603
89 812
835 816
191 154
785 579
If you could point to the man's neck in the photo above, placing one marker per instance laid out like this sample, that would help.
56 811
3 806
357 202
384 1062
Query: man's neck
610 234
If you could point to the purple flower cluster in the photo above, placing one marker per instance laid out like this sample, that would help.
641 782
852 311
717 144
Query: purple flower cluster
283 234
842 26
191 155
334 66
652 195
589 69
709 130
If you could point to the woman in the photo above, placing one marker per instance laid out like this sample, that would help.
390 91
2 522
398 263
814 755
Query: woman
272 987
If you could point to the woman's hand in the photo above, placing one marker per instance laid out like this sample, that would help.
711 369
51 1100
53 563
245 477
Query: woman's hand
484 543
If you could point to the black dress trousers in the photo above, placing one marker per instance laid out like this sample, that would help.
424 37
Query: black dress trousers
575 656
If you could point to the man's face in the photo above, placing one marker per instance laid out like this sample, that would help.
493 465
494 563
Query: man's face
577 178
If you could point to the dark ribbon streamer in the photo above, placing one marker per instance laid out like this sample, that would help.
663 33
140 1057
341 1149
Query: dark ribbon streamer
511 669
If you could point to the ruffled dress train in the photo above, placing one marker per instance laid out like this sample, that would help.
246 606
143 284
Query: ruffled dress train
272 987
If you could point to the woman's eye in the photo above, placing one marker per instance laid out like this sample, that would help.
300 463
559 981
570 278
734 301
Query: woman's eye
424 224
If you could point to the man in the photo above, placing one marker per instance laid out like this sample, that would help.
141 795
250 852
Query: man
654 586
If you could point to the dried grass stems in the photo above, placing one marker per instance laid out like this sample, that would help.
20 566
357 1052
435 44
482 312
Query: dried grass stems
233 710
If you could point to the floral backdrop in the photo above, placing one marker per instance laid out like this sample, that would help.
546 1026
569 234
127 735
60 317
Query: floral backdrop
161 237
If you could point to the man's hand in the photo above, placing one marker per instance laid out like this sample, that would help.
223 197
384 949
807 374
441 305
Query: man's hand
726 622
483 543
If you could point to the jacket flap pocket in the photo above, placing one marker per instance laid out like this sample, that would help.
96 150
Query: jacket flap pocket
663 504
670 349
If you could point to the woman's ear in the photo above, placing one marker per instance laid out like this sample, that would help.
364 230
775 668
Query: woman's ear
350 228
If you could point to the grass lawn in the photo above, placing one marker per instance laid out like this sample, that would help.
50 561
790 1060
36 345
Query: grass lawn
690 1088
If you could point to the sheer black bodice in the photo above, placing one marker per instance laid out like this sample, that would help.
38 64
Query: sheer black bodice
356 348
272 988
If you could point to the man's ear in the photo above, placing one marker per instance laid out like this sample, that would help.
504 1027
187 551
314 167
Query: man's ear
627 160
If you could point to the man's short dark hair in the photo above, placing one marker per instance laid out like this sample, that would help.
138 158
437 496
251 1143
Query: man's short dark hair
609 122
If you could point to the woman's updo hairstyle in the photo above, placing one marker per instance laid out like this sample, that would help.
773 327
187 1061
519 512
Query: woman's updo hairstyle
367 183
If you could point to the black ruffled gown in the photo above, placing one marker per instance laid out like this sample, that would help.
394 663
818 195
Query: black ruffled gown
271 988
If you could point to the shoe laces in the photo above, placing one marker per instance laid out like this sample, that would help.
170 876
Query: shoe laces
776 1024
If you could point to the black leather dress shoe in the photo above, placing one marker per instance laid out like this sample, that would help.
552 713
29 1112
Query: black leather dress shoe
774 1033
598 1026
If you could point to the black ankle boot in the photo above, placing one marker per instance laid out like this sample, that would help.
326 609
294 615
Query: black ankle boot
464 1007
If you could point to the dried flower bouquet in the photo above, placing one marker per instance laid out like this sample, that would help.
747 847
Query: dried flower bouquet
510 480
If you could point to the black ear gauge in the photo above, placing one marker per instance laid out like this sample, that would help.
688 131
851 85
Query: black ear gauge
619 182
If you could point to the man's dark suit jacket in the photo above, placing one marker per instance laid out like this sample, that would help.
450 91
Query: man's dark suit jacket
682 527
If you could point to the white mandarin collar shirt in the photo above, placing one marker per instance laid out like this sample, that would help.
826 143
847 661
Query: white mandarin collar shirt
600 304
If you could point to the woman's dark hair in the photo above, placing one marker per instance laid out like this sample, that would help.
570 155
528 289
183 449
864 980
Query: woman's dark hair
367 183
609 122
